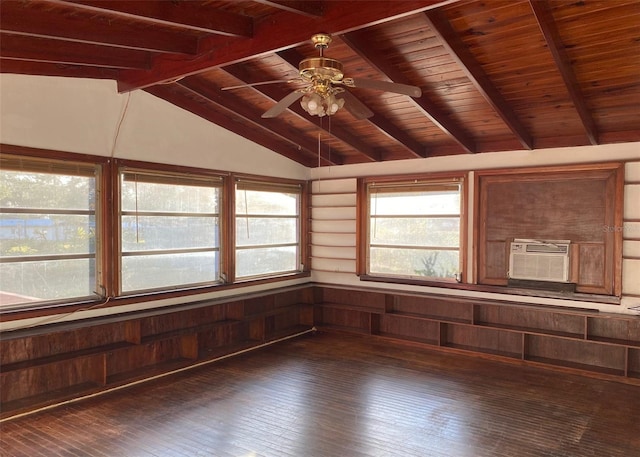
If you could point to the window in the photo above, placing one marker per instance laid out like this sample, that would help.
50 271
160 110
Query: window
267 229
414 229
48 234
169 230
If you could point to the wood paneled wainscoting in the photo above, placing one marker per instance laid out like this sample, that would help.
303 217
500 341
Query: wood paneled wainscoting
592 343
50 364
45 365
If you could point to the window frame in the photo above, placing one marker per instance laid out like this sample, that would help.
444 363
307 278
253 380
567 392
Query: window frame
66 164
108 235
364 221
159 173
252 182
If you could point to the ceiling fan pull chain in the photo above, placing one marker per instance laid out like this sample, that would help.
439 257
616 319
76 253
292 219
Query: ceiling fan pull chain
319 148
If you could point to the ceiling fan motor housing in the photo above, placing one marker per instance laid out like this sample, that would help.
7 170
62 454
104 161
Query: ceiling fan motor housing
321 72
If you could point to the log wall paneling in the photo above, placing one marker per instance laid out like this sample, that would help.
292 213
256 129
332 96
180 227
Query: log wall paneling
333 227
631 231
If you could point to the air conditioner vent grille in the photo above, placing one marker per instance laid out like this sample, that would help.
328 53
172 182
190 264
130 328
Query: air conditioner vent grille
552 248
539 261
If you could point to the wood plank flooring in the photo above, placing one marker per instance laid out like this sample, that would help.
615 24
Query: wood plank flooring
339 395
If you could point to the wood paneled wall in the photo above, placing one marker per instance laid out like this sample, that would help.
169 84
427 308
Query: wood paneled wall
553 204
591 343
51 363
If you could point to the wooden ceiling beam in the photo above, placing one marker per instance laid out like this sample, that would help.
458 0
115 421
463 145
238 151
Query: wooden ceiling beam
19 19
276 32
306 7
225 100
22 67
544 17
184 14
384 126
358 43
451 41
175 94
16 47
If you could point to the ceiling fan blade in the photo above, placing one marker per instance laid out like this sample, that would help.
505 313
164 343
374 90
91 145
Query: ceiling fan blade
357 109
404 89
258 84
282 104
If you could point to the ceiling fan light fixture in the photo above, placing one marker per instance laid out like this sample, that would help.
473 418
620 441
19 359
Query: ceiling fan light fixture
321 106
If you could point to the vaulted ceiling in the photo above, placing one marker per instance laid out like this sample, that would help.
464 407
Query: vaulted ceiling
495 75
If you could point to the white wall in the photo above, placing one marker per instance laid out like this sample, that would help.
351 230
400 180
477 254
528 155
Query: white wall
88 116
333 224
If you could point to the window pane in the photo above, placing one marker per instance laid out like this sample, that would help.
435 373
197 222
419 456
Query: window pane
254 262
267 203
168 270
27 282
47 215
46 234
264 230
147 232
440 232
43 190
415 203
414 262
414 229
267 216
188 220
174 198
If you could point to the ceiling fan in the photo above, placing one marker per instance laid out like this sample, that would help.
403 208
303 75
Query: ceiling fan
324 90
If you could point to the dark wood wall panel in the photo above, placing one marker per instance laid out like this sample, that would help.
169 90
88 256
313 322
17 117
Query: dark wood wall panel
363 299
546 209
259 305
47 364
634 363
347 318
614 330
571 203
497 261
79 339
450 310
523 318
142 356
179 320
607 359
486 340
65 377
411 329
597 344
221 336
592 265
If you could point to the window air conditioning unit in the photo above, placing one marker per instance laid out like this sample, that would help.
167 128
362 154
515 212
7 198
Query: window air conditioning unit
539 260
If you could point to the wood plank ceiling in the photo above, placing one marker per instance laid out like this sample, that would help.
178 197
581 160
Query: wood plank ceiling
495 75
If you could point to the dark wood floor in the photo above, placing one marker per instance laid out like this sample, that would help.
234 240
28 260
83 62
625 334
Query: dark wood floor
346 396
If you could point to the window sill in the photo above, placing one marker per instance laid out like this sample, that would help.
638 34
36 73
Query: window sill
575 296
65 309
